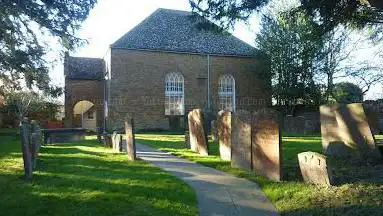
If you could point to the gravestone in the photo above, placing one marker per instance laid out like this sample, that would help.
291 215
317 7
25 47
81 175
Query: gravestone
224 134
346 132
266 143
241 139
117 140
130 139
309 126
63 135
186 133
25 147
372 119
107 140
314 168
35 142
187 139
113 140
294 125
197 132
214 130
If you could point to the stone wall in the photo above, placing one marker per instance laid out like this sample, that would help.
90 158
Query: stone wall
138 78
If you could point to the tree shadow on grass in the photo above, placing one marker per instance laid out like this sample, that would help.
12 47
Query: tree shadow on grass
74 181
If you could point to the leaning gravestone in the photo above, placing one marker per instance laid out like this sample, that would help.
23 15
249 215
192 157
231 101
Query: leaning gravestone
346 132
266 143
25 146
197 132
224 134
241 139
130 140
314 168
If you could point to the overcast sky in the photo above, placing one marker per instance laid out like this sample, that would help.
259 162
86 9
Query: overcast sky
110 19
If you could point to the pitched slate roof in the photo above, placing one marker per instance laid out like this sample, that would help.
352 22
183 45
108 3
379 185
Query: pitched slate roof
84 68
178 31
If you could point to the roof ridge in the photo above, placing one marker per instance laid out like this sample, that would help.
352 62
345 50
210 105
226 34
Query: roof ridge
85 57
174 10
172 30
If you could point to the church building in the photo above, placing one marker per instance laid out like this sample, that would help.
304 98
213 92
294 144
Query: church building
161 69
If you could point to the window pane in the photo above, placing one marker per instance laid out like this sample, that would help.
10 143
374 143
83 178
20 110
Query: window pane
226 93
174 87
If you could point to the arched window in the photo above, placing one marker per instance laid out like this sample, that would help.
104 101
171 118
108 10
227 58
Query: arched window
226 93
174 94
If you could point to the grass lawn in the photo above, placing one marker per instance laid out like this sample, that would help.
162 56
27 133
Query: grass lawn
292 197
85 178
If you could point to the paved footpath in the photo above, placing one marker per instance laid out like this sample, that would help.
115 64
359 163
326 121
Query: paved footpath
218 193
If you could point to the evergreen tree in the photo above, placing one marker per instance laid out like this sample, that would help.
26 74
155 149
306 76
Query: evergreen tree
24 27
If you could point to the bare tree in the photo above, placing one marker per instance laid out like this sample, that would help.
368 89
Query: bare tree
22 103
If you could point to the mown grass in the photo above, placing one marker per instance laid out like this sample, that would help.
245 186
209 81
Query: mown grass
85 178
291 197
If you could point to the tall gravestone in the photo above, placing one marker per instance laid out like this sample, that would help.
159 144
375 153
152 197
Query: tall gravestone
197 132
241 139
224 134
346 132
266 143
25 147
314 168
130 139
35 142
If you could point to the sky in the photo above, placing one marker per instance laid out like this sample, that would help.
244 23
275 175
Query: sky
111 19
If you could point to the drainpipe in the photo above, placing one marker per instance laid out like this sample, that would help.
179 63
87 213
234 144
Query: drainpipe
105 104
208 82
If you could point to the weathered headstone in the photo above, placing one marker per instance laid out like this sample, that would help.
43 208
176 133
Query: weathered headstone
35 142
372 119
346 132
309 126
130 139
241 139
224 134
197 132
266 143
107 140
116 139
25 147
294 124
214 130
314 168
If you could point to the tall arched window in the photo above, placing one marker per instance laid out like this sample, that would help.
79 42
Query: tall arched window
226 93
174 94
